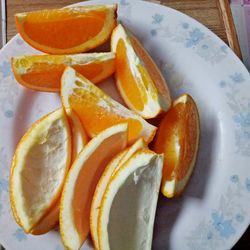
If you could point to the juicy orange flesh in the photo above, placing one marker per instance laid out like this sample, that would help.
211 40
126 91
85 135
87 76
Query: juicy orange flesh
176 138
90 71
44 75
89 177
96 117
126 79
48 75
48 27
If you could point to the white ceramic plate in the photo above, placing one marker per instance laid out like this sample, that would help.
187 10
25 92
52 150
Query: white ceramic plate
214 211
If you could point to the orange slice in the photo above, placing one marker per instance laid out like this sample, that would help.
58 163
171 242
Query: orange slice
68 30
138 79
82 180
127 211
79 140
43 72
39 167
111 168
178 139
97 111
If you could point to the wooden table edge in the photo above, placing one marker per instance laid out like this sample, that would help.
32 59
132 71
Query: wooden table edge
227 18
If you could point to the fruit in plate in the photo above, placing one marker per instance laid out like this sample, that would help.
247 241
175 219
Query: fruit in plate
97 111
127 212
111 168
79 140
43 72
82 180
178 138
138 79
67 30
39 167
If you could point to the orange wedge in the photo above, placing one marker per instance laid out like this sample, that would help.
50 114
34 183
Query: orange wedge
97 111
43 72
39 167
138 79
127 211
68 30
111 168
81 183
79 140
178 139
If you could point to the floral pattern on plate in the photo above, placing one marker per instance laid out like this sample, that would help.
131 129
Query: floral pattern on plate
191 37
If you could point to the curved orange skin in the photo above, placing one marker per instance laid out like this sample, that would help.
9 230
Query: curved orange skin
48 222
46 76
139 81
84 187
177 137
68 30
54 216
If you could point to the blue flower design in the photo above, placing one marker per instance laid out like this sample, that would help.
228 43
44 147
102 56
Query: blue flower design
4 185
9 113
5 69
157 18
237 78
195 37
223 226
224 48
234 178
222 84
247 135
239 217
204 46
185 25
242 119
20 235
248 184
209 235
124 2
19 41
153 32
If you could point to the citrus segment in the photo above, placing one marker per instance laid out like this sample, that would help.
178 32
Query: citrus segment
137 80
67 30
129 203
79 140
111 168
43 72
97 110
178 138
150 70
40 164
81 183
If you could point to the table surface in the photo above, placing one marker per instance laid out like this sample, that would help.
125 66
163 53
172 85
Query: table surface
215 14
